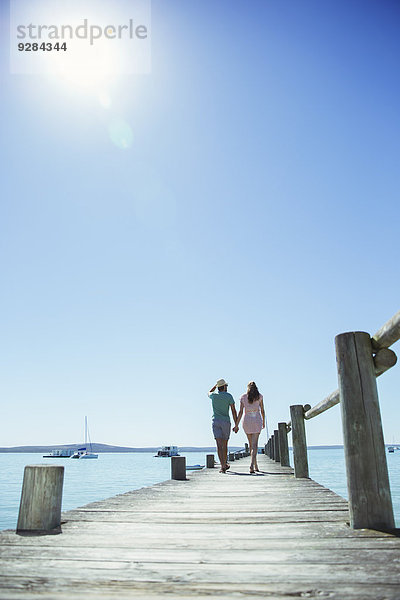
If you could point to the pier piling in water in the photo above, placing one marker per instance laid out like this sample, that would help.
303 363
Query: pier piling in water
178 467
40 506
210 461
283 445
299 441
277 457
367 474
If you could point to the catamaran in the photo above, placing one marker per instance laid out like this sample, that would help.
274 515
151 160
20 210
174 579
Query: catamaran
84 452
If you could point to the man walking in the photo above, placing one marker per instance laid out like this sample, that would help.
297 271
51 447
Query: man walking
221 425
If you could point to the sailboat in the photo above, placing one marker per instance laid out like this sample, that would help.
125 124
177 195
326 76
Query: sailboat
393 447
83 452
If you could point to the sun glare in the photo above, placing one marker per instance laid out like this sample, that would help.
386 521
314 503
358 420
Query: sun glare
93 54
87 52
104 99
87 69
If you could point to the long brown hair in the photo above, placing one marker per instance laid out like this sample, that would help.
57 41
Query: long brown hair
252 392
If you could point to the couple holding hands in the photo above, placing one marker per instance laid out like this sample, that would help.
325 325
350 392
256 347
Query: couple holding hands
251 404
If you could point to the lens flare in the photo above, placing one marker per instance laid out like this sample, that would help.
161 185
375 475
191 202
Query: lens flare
120 133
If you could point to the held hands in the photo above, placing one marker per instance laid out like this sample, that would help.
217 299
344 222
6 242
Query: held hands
235 429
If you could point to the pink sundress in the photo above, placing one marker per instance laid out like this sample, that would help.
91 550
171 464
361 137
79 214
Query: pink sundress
252 422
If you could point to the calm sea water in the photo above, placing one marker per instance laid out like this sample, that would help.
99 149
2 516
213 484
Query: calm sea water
113 473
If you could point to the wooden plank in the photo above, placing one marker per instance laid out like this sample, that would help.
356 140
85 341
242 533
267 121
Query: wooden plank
160 533
199 519
210 509
225 536
131 571
260 500
64 589
98 539
263 556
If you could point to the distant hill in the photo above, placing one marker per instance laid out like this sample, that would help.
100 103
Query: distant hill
95 448
107 448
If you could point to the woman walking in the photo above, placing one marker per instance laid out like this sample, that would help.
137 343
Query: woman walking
254 420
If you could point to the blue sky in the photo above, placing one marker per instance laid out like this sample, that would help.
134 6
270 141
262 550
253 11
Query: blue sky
254 216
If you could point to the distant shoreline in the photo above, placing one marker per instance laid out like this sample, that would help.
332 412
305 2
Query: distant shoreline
108 448
105 448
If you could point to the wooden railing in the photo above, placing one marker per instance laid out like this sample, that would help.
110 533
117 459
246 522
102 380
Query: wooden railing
360 360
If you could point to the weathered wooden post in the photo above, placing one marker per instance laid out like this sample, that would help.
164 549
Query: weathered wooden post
300 457
231 456
276 444
246 448
40 506
210 461
178 467
283 445
272 447
368 486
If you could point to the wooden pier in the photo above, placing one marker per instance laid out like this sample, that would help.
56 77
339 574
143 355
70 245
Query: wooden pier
274 534
233 535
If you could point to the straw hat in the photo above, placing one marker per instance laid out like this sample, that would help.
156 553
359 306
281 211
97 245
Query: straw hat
221 383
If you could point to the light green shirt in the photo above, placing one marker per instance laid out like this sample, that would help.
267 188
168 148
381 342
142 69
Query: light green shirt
221 402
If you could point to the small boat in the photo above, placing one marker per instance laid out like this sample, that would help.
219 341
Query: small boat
84 452
194 467
167 451
393 447
60 453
